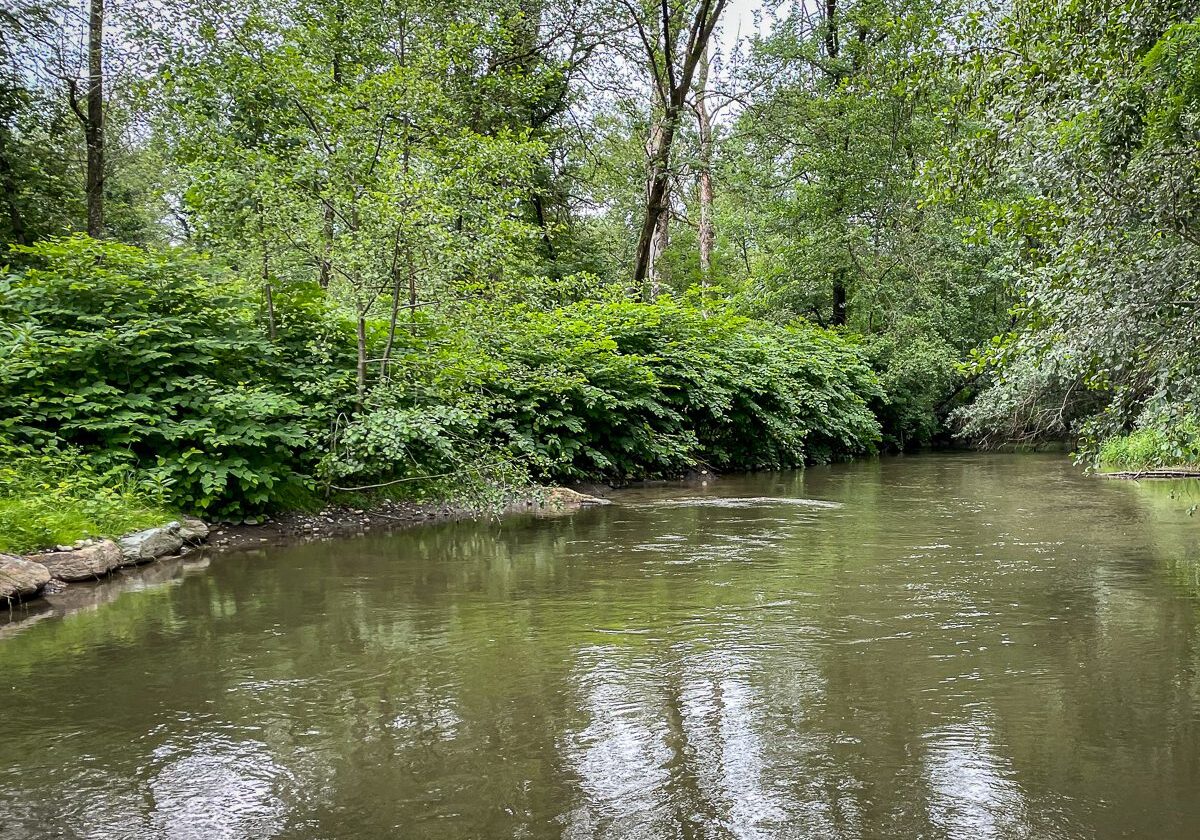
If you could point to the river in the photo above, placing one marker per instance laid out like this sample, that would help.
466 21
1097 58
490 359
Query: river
939 646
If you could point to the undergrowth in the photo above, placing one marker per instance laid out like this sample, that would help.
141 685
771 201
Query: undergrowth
57 498
1156 445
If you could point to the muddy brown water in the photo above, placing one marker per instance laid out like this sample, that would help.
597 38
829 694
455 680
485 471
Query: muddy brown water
940 646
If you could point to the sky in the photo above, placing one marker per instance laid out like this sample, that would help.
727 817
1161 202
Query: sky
738 20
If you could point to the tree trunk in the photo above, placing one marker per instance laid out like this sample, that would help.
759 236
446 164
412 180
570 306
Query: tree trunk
657 188
662 238
539 214
832 46
386 361
673 72
327 214
94 125
361 383
708 234
412 292
839 301
832 49
8 182
326 247
662 228
269 294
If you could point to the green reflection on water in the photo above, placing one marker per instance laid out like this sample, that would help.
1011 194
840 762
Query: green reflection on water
942 646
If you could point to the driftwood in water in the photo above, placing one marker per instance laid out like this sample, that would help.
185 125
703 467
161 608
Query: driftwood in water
1164 472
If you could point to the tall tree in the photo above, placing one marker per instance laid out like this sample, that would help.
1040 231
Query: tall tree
674 35
836 73
704 175
1087 152
364 135
94 123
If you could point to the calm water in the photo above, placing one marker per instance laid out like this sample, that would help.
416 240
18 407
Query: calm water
944 646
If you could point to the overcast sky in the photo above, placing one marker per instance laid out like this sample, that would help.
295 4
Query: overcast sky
738 21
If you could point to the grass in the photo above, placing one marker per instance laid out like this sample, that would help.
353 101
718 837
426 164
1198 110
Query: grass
41 522
58 498
1153 447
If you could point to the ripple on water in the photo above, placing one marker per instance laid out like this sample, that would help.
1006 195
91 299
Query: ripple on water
217 788
733 502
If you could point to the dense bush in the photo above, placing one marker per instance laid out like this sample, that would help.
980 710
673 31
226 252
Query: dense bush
152 360
920 379
158 369
616 390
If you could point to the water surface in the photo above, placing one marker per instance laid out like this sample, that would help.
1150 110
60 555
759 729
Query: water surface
942 646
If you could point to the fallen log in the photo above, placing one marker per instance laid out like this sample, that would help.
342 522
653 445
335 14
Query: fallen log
1164 472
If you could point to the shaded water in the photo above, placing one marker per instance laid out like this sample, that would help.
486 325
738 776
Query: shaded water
945 646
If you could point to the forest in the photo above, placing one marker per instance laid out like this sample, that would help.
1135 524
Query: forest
258 255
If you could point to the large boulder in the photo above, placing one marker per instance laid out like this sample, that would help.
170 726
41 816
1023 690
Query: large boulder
144 546
21 578
85 563
193 531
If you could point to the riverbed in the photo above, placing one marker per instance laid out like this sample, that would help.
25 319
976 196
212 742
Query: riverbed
939 646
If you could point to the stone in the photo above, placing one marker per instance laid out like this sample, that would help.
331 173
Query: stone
21 578
148 545
562 498
193 531
91 561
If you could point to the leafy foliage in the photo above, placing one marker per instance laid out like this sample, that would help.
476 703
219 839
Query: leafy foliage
1094 187
151 360
617 390
411 234
1161 442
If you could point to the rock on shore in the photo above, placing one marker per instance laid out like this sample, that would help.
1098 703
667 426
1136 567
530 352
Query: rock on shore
193 531
84 563
144 546
21 578
563 498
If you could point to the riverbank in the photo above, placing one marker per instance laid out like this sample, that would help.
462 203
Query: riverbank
29 576
345 520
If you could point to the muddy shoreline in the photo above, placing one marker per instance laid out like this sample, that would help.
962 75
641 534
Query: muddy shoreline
345 521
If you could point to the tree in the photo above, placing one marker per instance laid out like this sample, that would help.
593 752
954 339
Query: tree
674 35
1086 150
93 120
704 176
826 201
364 146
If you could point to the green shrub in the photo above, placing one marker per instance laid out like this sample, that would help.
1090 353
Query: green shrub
152 360
614 390
918 375
624 389
157 365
